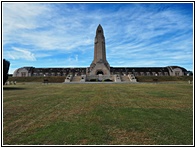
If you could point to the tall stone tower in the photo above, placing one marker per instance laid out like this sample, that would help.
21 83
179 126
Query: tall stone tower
99 65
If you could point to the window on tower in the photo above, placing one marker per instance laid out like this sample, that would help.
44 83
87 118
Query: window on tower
99 31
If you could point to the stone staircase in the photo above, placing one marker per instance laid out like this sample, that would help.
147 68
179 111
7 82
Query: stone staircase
68 78
125 79
76 79
132 78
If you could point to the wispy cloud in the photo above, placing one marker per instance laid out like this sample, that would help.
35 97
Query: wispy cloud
147 34
17 53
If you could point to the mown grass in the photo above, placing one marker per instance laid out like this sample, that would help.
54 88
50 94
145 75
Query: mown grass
98 114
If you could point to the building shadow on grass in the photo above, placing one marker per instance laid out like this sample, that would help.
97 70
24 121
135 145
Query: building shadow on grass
13 88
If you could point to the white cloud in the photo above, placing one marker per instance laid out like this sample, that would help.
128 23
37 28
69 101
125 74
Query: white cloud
19 17
41 27
17 53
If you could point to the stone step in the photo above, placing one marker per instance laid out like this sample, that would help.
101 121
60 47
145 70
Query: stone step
125 79
76 79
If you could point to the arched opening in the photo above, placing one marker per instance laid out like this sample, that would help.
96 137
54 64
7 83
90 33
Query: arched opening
99 72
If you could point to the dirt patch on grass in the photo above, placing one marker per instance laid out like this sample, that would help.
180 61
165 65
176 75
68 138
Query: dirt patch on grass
83 142
124 137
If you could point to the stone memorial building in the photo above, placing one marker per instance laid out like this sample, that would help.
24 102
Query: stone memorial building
100 68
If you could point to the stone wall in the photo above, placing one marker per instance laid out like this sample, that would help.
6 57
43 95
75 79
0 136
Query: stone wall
123 71
22 72
176 71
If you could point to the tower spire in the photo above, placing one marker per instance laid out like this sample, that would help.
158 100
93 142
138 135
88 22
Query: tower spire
99 29
99 62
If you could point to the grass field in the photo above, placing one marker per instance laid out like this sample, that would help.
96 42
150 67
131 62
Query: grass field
98 114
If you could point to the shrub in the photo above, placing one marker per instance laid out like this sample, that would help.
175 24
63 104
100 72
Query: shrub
107 80
93 80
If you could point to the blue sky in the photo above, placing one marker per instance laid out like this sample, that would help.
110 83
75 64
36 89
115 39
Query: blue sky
62 34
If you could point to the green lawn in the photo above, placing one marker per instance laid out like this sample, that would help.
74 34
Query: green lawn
98 114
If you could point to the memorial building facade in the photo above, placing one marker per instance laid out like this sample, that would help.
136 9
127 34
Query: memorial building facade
100 69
